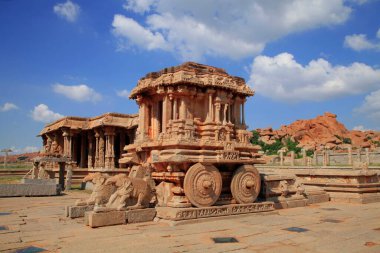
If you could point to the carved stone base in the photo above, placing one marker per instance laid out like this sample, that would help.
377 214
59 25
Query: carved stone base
102 219
105 219
77 211
316 195
140 215
358 198
177 214
290 202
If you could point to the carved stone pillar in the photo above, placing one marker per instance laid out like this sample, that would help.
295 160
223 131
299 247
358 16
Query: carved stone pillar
237 111
281 152
243 113
291 158
326 157
367 160
141 131
83 150
210 114
175 109
359 155
90 157
110 149
97 136
315 158
155 120
67 144
165 115
49 141
169 110
349 151
182 109
217 110
304 157
100 148
225 109
74 146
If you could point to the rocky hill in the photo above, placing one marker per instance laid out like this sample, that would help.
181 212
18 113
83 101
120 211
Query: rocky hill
321 131
26 157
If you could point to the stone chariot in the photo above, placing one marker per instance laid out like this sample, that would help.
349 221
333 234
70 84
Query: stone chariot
192 137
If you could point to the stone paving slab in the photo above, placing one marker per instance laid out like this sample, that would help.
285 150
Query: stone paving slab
329 227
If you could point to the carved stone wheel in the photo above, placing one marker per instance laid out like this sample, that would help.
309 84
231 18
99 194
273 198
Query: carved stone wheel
202 185
245 184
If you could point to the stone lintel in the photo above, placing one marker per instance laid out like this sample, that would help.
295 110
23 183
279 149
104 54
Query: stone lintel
176 214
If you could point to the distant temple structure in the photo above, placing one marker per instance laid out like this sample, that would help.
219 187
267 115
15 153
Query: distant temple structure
94 143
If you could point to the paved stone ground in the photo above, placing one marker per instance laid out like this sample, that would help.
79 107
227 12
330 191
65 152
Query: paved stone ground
330 227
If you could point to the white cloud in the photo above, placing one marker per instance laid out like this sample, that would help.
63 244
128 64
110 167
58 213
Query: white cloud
359 42
42 113
8 106
68 10
360 128
371 106
30 149
79 92
139 6
137 34
282 78
123 93
27 149
234 29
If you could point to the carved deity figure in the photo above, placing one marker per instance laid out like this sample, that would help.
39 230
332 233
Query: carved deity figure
48 146
284 187
300 188
42 173
101 191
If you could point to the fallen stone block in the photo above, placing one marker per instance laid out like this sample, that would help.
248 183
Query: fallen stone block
19 190
77 211
140 215
106 218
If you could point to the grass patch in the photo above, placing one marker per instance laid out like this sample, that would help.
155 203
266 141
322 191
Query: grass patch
10 179
16 166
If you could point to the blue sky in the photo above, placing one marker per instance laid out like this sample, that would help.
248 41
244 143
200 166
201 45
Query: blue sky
81 58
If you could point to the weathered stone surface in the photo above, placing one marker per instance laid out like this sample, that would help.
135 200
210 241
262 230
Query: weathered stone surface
17 190
284 190
140 215
38 181
77 211
357 198
315 194
291 202
106 219
177 214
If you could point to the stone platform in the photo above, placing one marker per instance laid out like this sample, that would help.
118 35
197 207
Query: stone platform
283 190
30 187
342 185
178 214
102 219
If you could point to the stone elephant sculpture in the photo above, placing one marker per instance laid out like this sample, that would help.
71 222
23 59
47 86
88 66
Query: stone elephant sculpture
129 190
101 191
